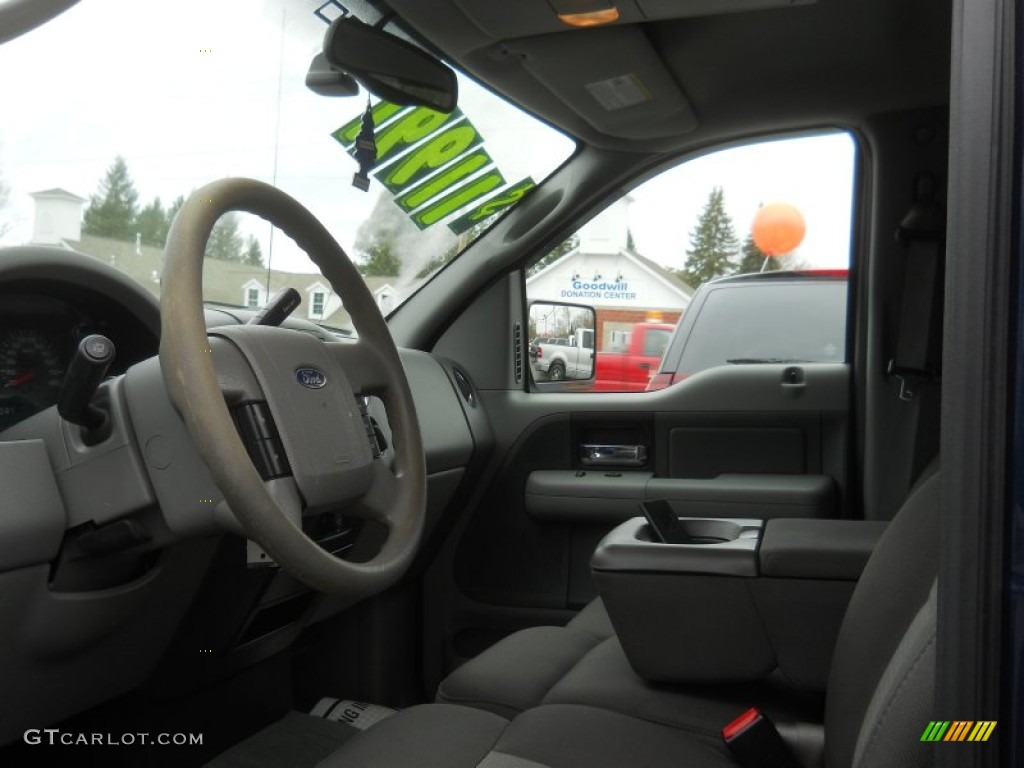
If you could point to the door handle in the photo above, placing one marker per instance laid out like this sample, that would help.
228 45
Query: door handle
594 455
644 366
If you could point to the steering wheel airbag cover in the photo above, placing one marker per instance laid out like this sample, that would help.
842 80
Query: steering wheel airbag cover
326 439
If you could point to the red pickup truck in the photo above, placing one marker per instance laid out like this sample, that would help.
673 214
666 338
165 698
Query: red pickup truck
630 366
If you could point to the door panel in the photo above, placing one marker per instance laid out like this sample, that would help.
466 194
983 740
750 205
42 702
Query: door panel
510 567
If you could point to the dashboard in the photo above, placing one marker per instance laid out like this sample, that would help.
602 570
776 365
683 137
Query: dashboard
41 325
116 525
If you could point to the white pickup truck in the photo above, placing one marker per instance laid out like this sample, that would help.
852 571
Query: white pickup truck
569 358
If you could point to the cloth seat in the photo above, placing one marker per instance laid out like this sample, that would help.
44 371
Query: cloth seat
583 663
519 671
880 690
555 736
566 665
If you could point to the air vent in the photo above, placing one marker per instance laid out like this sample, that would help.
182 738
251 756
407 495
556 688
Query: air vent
517 355
465 388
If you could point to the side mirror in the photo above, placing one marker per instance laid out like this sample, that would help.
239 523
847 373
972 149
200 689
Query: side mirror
389 67
569 354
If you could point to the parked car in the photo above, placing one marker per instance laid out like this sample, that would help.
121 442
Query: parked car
759 318
537 343
567 358
629 366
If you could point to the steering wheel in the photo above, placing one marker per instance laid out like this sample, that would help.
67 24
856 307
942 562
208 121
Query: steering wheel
311 390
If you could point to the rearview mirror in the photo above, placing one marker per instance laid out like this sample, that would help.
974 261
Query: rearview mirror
389 67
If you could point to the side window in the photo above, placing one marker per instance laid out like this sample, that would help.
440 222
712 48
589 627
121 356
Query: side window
735 257
655 342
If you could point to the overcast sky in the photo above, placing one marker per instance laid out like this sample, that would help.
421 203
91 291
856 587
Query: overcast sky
188 94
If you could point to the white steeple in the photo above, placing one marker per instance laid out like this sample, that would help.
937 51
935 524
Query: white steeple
58 216
608 232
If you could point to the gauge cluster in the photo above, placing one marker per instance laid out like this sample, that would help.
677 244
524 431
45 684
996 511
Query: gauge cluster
38 336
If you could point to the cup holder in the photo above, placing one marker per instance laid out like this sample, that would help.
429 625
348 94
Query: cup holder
708 531
699 531
707 545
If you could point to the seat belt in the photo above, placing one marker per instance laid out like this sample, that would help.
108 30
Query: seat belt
916 363
755 742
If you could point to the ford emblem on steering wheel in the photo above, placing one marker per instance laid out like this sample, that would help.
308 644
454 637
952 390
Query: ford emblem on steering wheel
311 378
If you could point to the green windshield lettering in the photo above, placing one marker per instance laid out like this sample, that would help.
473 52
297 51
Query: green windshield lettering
496 204
426 158
381 112
464 195
408 130
436 185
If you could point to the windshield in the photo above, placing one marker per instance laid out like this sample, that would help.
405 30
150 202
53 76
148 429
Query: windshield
117 110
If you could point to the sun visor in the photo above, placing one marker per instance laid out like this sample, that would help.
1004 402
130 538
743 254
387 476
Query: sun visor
630 95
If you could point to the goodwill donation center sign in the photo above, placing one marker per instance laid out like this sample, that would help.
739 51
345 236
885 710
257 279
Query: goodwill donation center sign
580 289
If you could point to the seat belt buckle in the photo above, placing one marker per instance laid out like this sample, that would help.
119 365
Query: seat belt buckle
908 379
755 743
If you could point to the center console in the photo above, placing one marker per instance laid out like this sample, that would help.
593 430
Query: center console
736 599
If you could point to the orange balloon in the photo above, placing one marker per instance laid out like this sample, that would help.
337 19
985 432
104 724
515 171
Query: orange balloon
778 228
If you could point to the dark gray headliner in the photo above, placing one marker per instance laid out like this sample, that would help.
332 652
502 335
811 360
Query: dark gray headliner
727 75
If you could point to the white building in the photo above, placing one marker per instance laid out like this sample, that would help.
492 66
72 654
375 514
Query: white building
58 217
623 287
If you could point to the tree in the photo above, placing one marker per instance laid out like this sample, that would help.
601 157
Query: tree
379 239
556 253
152 224
753 258
253 252
379 258
112 210
713 243
225 242
173 208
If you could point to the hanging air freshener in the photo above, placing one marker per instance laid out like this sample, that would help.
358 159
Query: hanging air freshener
366 151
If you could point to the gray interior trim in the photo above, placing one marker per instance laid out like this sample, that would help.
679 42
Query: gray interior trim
981 282
21 16
572 496
709 629
629 548
447 441
818 549
33 520
63 652
504 760
59 265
